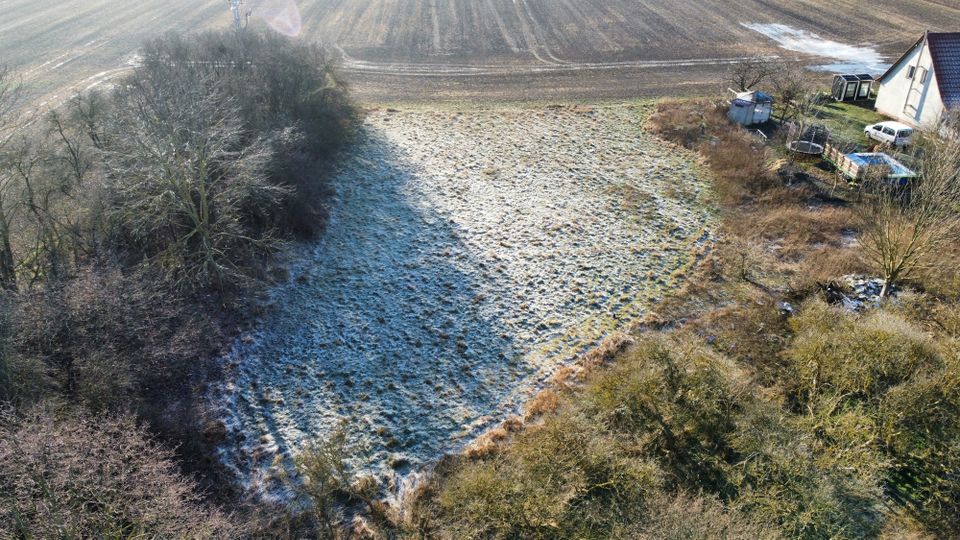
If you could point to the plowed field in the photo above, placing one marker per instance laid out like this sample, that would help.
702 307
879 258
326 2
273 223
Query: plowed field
400 50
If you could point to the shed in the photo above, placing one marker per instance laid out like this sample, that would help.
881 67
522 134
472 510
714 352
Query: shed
750 108
849 87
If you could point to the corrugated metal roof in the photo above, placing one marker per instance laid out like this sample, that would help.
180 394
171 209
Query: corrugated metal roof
754 96
945 53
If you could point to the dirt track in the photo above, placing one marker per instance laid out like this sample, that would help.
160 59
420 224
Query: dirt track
466 49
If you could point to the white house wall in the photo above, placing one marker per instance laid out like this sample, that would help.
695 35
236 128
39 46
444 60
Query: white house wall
932 112
892 95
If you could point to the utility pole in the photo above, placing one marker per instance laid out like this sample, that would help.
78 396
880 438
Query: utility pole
237 16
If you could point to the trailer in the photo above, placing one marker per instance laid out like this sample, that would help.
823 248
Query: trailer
856 166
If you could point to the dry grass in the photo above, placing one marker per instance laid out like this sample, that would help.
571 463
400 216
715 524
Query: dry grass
740 166
796 230
751 331
487 444
777 229
824 264
940 276
685 122
740 162
543 403
608 349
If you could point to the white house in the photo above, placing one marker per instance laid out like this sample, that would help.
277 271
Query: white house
924 83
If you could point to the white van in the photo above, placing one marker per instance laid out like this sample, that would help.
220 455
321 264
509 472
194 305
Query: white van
892 133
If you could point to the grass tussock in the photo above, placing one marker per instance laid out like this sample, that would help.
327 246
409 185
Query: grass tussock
824 264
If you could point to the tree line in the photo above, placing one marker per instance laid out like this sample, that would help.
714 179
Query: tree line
134 224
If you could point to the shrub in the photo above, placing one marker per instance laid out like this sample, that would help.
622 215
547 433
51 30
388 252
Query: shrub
111 341
685 517
860 355
781 481
564 479
79 477
326 481
22 378
679 401
920 429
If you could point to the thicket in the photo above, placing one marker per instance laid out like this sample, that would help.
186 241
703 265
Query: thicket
79 476
134 223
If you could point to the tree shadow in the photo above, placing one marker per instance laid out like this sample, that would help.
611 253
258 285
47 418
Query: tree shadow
388 330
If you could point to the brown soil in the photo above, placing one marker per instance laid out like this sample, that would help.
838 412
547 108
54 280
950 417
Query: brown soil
452 50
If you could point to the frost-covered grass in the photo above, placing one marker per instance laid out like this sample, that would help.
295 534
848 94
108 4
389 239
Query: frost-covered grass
468 256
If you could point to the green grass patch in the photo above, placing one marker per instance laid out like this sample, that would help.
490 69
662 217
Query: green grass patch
847 120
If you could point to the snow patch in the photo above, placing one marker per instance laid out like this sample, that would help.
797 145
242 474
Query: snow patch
848 58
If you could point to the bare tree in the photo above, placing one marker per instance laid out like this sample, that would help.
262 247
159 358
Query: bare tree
750 72
36 197
88 111
43 176
9 97
902 227
8 209
73 169
181 179
795 90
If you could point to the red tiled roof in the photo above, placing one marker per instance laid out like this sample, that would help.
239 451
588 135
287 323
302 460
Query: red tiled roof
945 53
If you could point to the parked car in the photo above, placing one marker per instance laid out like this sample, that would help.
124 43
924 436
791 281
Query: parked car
892 133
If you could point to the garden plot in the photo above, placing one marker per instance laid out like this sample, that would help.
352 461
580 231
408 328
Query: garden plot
468 256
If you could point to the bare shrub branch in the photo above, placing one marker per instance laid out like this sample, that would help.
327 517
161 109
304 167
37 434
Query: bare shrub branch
79 477
750 72
902 227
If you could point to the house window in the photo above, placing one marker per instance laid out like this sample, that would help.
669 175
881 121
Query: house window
923 75
910 71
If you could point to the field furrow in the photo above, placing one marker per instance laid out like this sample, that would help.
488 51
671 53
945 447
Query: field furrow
398 50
